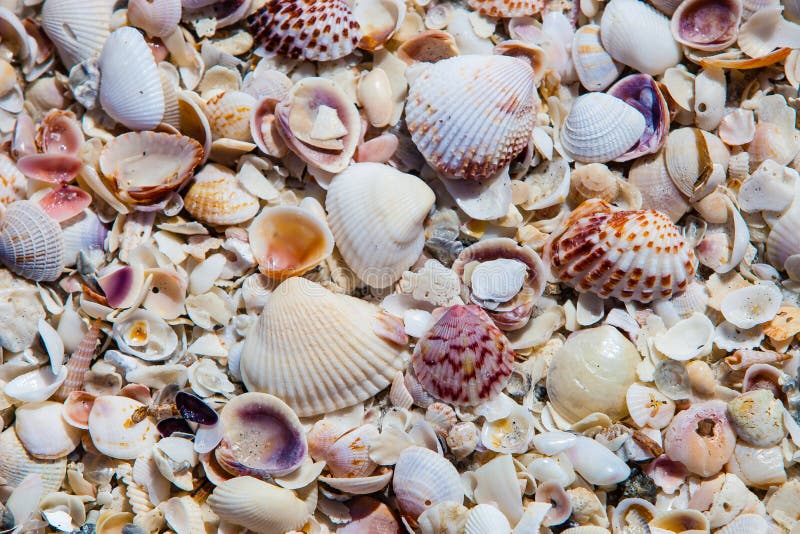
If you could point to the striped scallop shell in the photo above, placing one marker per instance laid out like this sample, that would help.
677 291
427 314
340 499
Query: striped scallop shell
12 182
316 30
629 255
423 478
31 244
470 115
228 114
507 8
78 28
216 197
16 464
258 505
464 358
318 351
595 67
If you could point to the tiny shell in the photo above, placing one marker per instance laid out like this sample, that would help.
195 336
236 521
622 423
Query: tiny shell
737 127
229 113
596 463
507 8
511 434
701 438
348 456
423 478
216 197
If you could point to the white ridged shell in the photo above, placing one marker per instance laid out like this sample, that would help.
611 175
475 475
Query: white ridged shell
228 115
600 128
16 464
596 69
84 232
423 478
112 432
376 213
258 506
130 86
649 175
78 28
157 17
648 406
317 350
485 518
217 198
31 244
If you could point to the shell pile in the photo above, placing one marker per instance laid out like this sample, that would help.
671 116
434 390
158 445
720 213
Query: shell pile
399 266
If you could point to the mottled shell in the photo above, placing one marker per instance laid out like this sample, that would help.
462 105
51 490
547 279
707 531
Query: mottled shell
595 67
470 115
316 30
31 244
229 113
507 8
216 198
701 438
629 255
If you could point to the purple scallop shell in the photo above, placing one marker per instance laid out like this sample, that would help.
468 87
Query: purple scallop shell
194 409
641 91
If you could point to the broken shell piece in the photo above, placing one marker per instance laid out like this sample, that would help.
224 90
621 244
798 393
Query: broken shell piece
52 168
511 434
145 335
378 20
258 506
757 418
35 386
59 132
769 188
680 521
506 9
216 197
486 518
77 407
737 127
596 463
751 306
65 202
701 438
264 128
175 459
423 478
687 339
429 46
648 406
113 432
57 441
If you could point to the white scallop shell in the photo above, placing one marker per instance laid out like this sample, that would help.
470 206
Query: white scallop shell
376 213
16 464
317 350
423 478
158 18
486 518
78 28
130 85
745 524
43 431
600 127
112 431
596 69
31 244
753 305
648 406
257 505
687 339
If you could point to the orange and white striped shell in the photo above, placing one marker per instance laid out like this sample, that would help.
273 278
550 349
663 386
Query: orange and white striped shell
630 255
507 8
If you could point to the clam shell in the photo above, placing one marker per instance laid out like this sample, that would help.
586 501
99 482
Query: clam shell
216 197
78 28
687 339
471 115
317 350
379 21
751 306
376 213
643 93
130 86
16 464
612 253
595 67
423 478
112 431
13 183
57 441
703 450
486 518
600 127
158 18
709 101
737 127
35 386
31 244
507 8
315 30
348 456
707 24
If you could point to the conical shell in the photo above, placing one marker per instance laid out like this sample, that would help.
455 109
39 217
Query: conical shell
31 244
629 255
12 182
470 115
78 28
600 128
423 478
507 8
16 464
79 363
130 86
216 197
595 67
376 213
316 30
317 350
261 507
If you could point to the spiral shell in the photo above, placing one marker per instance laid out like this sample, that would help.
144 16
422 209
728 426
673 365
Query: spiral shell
31 244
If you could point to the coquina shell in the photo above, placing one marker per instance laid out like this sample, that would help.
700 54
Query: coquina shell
423 478
470 115
217 198
507 8
31 244
376 213
318 351
629 255
78 28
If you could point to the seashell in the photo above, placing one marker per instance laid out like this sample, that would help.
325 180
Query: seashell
361 485
264 128
167 292
507 8
77 406
392 205
78 28
53 168
429 46
631 512
701 438
596 463
710 94
582 380
642 92
649 407
378 21
65 202
31 244
737 127
757 418
158 18
289 241
637 274
13 183
130 86
183 514
175 458
649 175
313 30
533 54
60 438
370 515
348 456
561 507
423 478
359 363
511 434
745 523
462 439
145 167
595 67
259 506
16 464
35 386
707 25
752 305
441 417
463 359
771 142
486 518
59 133
637 35
229 114
680 521
452 103
688 160
375 96
145 335
79 363
216 197
600 128
113 431
687 339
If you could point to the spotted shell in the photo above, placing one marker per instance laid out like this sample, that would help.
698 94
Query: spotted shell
631 255
31 244
507 8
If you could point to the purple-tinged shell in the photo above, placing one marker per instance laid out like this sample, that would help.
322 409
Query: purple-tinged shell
642 92
171 425
194 409
464 358
118 285
708 25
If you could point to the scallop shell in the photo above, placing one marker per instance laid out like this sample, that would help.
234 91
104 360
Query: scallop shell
78 28
595 67
318 351
348 456
57 441
463 359
31 244
486 518
216 197
16 464
315 30
649 407
600 128
745 524
507 8
708 25
130 86
112 431
471 115
614 254
229 113
158 18
423 478
13 183
376 213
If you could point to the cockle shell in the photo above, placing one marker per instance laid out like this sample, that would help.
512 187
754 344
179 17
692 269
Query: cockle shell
600 128
112 431
707 24
316 30
130 86
158 18
701 438
423 478
507 8
229 113
486 518
216 197
16 464
376 214
31 244
454 104
78 28
43 432
643 93
649 175
595 67
463 359
302 326
348 456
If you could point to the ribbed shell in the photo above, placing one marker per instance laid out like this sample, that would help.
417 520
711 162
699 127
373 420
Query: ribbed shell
318 350
316 30
157 17
507 8
464 358
258 506
376 213
79 363
600 127
85 232
630 255
216 198
470 115
16 464
595 67
78 28
423 478
229 115
130 85
30 242
12 182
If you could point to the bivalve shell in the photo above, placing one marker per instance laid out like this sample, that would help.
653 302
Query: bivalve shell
16 464
595 67
216 197
112 431
31 244
423 478
507 8
757 418
708 25
486 518
643 93
752 305
78 28
158 18
647 406
13 183
43 431
229 113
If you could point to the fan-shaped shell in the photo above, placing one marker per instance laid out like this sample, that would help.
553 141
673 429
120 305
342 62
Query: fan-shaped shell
629 255
43 432
229 113
595 67
158 18
78 28
470 115
316 30
423 478
507 8
649 175
376 213
217 198
318 351
642 93
31 244
486 518
16 464
600 127
130 86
